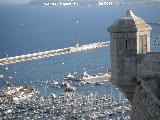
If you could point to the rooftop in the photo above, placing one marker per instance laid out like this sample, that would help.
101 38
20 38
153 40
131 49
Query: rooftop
129 23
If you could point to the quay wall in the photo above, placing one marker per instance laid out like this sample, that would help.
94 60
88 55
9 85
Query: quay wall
52 53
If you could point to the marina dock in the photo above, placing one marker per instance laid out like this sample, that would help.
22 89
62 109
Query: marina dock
23 102
52 53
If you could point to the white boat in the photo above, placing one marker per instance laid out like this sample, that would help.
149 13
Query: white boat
70 89
53 83
20 93
156 41
119 109
1 76
67 87
6 68
10 77
83 83
77 21
71 77
95 78
64 84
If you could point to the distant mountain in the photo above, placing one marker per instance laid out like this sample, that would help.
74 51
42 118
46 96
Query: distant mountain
142 1
92 2
80 2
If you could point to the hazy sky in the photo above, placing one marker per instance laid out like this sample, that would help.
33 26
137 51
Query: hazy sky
14 1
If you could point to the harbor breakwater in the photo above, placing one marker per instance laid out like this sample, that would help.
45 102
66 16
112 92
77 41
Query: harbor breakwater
52 53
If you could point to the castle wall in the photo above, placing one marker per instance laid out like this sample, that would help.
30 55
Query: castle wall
149 65
144 107
123 61
134 70
129 36
146 103
141 33
123 57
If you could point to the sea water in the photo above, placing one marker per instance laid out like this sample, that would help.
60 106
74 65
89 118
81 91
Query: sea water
28 29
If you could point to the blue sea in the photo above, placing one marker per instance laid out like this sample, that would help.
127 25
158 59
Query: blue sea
29 29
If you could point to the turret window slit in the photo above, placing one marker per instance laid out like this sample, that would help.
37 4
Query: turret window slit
126 44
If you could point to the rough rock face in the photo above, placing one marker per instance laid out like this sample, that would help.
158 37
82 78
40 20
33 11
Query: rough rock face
144 107
146 102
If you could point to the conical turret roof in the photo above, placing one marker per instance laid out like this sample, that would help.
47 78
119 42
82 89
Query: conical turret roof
129 23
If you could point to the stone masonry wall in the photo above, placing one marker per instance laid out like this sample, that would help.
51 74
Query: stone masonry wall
144 107
146 102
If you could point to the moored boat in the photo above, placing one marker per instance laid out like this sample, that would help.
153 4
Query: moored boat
98 78
70 77
156 41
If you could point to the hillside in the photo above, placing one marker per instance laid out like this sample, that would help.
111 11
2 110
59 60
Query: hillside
94 2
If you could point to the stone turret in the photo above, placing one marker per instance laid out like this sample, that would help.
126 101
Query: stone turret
129 36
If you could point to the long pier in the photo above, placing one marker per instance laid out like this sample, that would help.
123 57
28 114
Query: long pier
52 53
